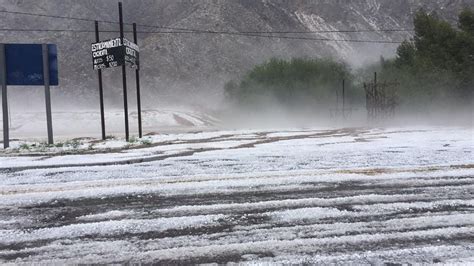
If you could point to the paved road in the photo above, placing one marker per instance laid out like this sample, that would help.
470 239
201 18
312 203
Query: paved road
407 198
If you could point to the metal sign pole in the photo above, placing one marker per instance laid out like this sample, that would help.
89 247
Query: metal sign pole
124 76
3 80
137 78
47 93
343 99
375 100
101 90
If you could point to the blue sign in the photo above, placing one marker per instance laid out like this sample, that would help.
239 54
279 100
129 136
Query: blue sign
25 64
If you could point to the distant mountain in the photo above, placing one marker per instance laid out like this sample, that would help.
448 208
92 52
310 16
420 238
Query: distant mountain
189 66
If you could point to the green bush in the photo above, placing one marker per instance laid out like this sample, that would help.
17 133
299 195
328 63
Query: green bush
24 146
146 142
290 83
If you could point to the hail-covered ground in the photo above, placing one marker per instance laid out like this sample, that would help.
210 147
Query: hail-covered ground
354 195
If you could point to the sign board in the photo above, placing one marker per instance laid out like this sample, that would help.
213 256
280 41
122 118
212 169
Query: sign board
132 54
111 53
25 64
28 65
107 54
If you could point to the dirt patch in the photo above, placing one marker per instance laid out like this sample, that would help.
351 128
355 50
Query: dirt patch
182 121
463 166
378 171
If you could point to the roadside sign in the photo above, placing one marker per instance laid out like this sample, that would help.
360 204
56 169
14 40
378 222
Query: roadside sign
107 54
25 64
111 53
132 54
28 65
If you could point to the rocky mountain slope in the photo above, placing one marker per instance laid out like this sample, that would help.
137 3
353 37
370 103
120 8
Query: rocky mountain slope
190 65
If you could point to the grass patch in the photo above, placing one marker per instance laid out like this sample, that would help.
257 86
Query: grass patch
146 142
25 146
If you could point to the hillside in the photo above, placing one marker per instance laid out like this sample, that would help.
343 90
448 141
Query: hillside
196 65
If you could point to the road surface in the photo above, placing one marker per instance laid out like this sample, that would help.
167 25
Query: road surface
397 195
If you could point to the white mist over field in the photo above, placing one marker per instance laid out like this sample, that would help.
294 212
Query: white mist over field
28 117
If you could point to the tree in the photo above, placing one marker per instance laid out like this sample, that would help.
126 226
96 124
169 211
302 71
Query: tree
297 82
438 63
435 41
466 21
406 54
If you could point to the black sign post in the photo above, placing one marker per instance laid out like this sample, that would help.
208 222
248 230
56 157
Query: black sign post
131 52
101 90
3 80
114 53
137 78
47 93
343 99
124 76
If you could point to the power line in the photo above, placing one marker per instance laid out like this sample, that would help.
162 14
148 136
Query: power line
322 39
280 32
331 31
54 16
55 30
188 30
222 33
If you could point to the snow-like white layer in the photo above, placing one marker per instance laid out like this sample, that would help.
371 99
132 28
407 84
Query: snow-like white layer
299 196
101 252
110 215
374 148
397 256
35 194
80 123
108 228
